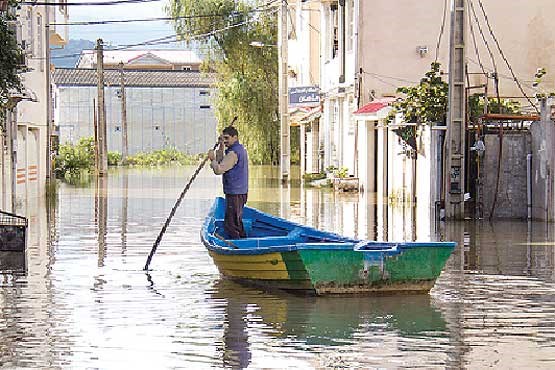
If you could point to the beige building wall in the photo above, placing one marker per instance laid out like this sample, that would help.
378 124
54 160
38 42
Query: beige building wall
392 32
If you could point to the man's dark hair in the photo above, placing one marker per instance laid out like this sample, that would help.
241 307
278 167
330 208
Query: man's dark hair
231 131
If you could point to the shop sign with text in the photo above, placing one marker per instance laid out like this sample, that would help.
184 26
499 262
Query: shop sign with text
305 96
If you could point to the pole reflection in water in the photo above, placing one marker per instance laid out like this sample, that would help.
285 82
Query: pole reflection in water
124 204
86 302
101 215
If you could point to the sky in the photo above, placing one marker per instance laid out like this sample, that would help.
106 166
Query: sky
120 33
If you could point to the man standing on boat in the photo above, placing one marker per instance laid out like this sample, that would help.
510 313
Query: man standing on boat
234 166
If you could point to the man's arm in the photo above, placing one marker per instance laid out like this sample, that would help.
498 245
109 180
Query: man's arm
226 164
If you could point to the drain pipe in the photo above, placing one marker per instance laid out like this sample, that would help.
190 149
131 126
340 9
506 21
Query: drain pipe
529 184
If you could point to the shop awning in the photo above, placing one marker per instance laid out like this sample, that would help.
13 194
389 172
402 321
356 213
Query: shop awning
373 109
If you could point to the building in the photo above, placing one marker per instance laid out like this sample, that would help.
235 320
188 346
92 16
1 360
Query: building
305 107
165 109
26 140
151 59
368 49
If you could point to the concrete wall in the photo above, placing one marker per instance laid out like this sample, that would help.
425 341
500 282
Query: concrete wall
543 159
511 196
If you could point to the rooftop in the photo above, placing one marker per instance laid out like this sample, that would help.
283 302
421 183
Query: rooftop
161 56
375 106
88 77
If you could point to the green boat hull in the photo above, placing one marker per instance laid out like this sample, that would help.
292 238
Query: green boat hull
278 253
340 271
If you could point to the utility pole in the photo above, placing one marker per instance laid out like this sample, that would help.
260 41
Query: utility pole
454 174
102 164
49 169
284 132
124 143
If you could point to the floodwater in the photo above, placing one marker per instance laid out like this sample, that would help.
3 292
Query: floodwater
85 302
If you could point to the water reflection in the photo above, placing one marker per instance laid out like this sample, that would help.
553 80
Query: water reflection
317 324
85 301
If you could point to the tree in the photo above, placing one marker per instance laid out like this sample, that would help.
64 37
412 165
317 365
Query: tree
246 75
425 103
10 62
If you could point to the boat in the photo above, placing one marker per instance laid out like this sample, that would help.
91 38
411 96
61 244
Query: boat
285 255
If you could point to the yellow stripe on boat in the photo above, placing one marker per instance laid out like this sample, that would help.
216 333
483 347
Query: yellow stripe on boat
267 266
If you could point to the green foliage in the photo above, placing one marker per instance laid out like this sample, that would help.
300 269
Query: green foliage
341 172
314 176
408 134
331 169
425 102
72 160
114 158
163 157
476 106
10 63
246 75
538 77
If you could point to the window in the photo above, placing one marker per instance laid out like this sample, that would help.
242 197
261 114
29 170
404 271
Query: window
350 10
204 93
334 22
204 107
186 68
291 17
30 35
39 41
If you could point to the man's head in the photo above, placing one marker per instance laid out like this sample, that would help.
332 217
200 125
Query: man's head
230 135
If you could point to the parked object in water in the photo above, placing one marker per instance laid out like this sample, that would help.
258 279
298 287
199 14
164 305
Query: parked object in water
13 242
285 255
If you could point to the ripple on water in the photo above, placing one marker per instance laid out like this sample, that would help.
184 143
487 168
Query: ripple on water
85 301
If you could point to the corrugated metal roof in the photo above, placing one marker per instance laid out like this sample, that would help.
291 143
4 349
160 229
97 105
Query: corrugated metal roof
87 77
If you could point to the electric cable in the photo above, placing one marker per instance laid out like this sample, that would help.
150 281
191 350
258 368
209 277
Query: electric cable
168 39
504 57
441 29
95 3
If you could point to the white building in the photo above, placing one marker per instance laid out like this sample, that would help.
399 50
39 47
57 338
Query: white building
25 163
370 48
145 59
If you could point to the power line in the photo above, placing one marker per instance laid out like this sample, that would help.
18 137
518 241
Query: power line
115 2
167 39
113 21
483 37
505 58
441 29
378 76
476 44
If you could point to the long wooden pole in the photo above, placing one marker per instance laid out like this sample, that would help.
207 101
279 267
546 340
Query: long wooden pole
176 205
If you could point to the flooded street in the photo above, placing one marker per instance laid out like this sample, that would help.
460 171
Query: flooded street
86 303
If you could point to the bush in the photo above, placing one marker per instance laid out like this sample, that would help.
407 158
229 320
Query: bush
314 176
73 159
114 158
163 157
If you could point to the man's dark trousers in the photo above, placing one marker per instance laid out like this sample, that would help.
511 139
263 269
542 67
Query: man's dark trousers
233 221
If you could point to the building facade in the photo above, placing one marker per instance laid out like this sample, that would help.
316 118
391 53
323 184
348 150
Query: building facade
25 141
368 49
165 109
